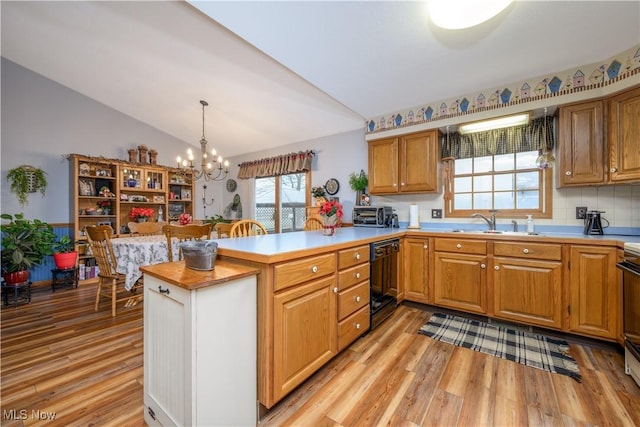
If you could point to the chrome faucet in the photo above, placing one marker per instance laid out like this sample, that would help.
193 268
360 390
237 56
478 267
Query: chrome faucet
491 221
515 225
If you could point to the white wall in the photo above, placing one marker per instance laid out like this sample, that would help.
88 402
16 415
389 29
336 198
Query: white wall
42 121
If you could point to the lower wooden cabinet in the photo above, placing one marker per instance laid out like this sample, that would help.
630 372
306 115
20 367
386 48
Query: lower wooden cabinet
460 281
304 330
528 291
415 257
594 292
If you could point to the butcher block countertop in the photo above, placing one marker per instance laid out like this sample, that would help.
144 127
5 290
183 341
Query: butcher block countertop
178 274
274 248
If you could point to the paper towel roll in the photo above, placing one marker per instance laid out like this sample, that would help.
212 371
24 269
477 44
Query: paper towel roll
414 220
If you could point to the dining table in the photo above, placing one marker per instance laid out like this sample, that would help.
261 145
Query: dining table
133 252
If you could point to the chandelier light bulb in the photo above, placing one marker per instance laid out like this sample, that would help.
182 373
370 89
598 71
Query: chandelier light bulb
214 152
226 163
179 159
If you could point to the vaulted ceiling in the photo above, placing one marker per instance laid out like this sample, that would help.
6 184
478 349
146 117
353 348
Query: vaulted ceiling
278 72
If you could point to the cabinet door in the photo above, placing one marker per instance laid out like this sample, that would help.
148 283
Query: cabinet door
581 144
594 291
460 281
528 291
419 161
624 134
167 349
415 255
304 332
383 166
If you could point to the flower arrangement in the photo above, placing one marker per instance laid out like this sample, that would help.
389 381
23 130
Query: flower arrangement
137 212
331 208
331 212
184 219
318 192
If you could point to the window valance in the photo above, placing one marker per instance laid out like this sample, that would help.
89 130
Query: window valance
278 165
537 135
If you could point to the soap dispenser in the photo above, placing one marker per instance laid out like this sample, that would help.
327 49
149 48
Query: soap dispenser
529 224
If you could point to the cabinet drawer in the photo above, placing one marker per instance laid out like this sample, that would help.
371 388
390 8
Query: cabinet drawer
353 299
353 275
462 246
528 250
353 256
352 327
299 271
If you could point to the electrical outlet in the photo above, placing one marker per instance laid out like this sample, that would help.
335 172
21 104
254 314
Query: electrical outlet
581 212
436 213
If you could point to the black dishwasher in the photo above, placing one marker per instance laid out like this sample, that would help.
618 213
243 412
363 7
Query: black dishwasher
384 279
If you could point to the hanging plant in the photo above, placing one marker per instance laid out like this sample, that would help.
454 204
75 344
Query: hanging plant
358 182
27 179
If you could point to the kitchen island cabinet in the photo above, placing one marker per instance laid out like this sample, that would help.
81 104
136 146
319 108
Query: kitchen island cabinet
199 345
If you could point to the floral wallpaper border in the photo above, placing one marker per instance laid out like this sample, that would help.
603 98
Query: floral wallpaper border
622 66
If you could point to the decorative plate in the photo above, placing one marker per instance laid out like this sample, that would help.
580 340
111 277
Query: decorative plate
332 186
231 185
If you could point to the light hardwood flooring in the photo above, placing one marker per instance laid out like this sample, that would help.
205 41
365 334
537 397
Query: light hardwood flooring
59 356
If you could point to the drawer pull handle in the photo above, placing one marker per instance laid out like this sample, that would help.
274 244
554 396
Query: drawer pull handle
425 246
357 255
458 246
568 173
163 291
357 325
357 298
335 290
525 251
496 268
483 265
613 170
357 275
314 269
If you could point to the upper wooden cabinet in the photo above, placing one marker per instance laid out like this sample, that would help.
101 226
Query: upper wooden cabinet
598 141
405 164
624 136
581 144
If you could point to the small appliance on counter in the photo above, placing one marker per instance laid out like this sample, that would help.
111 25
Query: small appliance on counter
593 223
374 216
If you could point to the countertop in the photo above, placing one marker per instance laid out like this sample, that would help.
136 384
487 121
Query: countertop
281 247
178 274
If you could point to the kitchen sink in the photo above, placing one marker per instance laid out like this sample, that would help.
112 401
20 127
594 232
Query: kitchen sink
499 232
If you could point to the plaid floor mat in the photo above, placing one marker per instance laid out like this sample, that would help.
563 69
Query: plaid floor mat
538 351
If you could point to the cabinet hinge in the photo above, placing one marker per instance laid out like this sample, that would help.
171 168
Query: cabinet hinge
569 265
569 309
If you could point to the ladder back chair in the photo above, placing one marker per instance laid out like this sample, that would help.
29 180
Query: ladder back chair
146 228
109 280
185 233
247 227
312 224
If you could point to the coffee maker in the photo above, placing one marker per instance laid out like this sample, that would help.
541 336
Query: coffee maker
593 223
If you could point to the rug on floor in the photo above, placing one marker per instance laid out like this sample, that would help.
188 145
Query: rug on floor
530 349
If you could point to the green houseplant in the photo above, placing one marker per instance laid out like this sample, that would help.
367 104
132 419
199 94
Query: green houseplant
26 179
64 253
25 243
358 183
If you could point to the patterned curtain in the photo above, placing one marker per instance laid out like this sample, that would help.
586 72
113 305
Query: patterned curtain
278 165
534 136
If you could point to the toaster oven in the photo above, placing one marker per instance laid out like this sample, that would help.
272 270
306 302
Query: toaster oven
372 216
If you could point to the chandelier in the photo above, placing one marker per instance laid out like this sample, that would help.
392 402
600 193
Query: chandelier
213 170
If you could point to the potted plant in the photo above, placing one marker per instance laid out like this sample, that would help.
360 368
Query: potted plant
64 253
25 243
26 179
358 183
320 194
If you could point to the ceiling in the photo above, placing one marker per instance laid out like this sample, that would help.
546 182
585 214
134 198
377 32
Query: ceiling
279 72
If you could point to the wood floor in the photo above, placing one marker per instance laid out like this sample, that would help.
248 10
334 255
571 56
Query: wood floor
59 357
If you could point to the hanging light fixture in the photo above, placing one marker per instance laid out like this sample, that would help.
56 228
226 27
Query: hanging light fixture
546 159
214 170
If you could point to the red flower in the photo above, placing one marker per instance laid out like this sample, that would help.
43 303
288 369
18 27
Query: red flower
184 219
137 212
331 208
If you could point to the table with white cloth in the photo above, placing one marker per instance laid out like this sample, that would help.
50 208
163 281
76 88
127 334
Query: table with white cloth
133 252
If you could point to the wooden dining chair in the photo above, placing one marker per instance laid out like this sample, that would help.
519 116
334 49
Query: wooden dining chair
148 228
223 229
247 227
312 224
109 280
185 233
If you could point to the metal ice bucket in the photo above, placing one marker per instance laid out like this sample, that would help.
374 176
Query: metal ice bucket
199 254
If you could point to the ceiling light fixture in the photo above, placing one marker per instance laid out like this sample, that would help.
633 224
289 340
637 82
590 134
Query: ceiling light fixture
207 169
500 122
458 14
